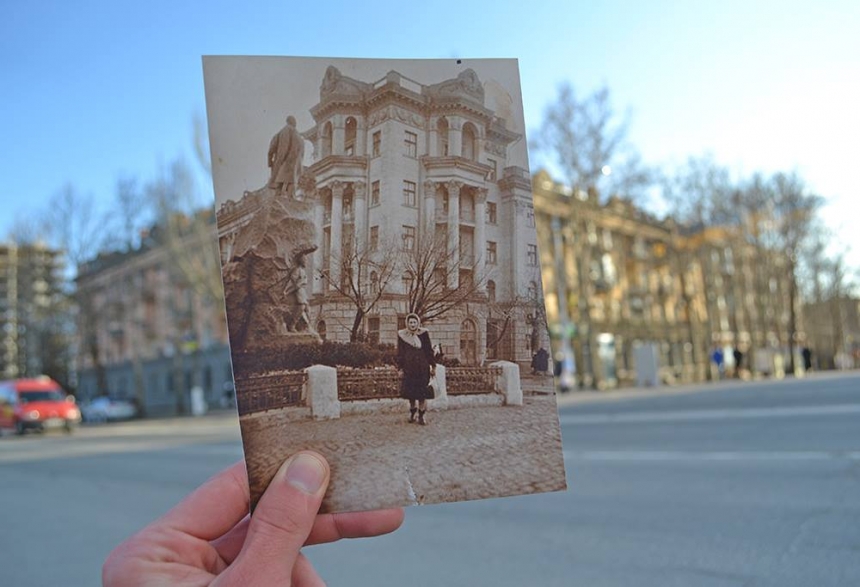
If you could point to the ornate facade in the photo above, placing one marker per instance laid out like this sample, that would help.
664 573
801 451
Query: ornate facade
400 165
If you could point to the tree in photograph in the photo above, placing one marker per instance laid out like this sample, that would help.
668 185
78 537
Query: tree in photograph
430 265
590 147
366 272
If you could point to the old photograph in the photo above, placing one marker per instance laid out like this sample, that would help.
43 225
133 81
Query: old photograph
382 278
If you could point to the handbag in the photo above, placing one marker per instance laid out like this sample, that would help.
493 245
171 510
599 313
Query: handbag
433 387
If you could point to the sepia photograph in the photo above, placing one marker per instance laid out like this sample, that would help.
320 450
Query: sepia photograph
382 276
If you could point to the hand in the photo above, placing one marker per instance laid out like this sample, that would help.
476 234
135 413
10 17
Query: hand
208 539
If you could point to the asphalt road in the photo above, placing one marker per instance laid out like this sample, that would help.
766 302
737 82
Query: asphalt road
753 484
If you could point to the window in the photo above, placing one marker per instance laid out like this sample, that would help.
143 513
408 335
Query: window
377 143
349 136
406 282
491 253
373 330
408 238
442 134
491 213
411 143
491 291
374 238
469 137
374 193
530 218
532 255
409 193
493 171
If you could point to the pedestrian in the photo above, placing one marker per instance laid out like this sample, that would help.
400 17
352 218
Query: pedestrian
415 359
807 358
540 361
209 539
718 359
739 359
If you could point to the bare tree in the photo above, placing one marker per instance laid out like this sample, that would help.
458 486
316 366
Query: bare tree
366 273
430 266
74 227
589 146
795 210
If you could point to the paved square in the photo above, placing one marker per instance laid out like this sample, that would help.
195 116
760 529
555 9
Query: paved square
381 460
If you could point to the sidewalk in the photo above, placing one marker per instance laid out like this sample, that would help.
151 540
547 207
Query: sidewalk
591 396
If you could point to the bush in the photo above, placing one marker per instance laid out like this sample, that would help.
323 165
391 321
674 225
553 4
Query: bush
295 357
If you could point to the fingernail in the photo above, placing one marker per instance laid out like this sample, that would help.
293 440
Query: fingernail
305 473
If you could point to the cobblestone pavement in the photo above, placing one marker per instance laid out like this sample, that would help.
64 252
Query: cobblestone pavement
381 460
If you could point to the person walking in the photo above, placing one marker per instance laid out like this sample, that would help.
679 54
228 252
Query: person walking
415 359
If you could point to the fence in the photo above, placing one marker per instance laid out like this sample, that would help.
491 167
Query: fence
270 392
367 384
472 380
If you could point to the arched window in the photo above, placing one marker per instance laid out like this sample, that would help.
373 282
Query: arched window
470 141
468 342
491 291
349 138
326 140
442 137
321 329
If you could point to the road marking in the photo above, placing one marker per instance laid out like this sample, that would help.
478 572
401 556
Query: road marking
708 456
717 414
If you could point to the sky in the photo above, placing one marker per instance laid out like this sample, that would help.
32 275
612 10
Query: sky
92 91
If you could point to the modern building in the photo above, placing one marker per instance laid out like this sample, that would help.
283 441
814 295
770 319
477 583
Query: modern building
146 334
630 278
31 312
399 166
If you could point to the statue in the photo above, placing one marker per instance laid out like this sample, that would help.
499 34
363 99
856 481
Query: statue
295 292
286 151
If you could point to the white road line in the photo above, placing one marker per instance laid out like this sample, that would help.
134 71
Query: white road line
708 456
717 414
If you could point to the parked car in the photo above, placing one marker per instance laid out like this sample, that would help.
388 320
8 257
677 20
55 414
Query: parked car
108 409
36 404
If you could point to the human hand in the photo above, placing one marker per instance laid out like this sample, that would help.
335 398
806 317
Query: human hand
208 539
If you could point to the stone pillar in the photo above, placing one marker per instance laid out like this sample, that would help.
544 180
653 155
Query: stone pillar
322 392
455 137
432 146
509 383
359 210
319 215
481 238
454 234
338 135
430 207
336 250
440 402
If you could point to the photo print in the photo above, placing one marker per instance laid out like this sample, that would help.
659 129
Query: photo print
382 277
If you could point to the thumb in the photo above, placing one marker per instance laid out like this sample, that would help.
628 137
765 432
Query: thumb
282 521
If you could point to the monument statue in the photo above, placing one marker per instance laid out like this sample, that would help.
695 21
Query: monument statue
286 150
295 292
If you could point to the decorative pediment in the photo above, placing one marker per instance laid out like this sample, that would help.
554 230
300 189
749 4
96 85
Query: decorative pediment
335 83
465 84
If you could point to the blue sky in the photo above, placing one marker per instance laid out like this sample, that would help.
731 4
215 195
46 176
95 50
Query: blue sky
93 90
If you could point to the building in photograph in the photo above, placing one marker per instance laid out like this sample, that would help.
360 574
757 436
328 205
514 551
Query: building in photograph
146 333
417 208
630 279
32 312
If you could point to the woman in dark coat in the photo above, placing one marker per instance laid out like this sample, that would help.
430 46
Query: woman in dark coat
415 358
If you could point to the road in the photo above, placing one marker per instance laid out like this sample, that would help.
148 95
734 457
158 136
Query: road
752 484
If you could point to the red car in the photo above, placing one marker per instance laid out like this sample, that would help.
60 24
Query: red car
36 404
